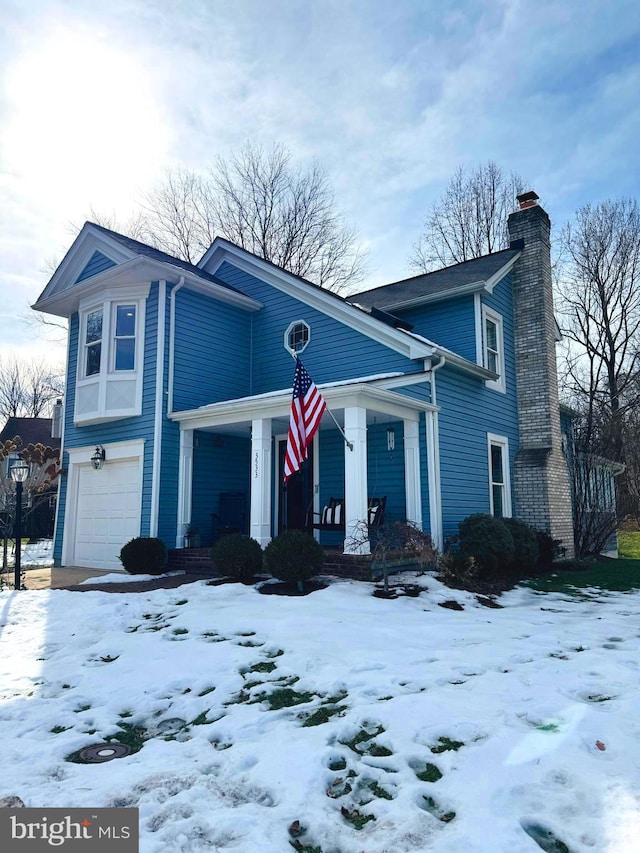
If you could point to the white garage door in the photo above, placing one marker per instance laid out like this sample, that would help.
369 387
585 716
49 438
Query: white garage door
107 512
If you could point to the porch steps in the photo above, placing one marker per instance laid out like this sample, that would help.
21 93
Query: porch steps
195 561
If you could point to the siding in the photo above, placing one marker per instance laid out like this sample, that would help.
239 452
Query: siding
96 264
221 463
212 351
335 351
468 411
450 324
125 429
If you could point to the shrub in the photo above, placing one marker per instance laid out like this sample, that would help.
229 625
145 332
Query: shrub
549 549
460 571
525 542
144 555
238 556
489 541
293 556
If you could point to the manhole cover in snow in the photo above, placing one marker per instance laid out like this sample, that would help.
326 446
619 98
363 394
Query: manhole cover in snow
100 752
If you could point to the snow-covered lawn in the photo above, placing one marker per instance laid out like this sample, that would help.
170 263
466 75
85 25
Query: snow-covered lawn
429 728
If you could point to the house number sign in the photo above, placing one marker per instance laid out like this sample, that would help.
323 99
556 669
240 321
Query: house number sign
256 465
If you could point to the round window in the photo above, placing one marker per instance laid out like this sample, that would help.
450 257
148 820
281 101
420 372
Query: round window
297 337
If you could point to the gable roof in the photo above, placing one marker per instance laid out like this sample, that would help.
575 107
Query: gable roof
30 430
466 277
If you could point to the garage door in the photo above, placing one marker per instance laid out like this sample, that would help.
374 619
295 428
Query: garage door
108 512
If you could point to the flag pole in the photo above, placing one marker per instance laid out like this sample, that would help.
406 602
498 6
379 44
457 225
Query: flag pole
327 409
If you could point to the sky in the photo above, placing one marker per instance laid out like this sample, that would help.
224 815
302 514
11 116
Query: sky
96 100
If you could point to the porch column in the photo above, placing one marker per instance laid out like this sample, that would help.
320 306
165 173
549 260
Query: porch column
261 467
355 481
435 493
412 479
185 481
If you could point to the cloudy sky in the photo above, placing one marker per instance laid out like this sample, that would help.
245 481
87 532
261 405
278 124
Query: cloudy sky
97 98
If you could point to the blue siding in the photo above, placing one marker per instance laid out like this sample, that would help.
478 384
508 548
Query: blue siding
221 463
468 411
212 351
335 351
126 429
96 264
450 324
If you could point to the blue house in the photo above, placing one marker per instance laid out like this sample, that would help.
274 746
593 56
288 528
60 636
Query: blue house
179 391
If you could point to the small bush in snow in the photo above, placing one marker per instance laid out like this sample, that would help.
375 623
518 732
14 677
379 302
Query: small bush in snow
237 556
144 555
525 543
489 541
293 556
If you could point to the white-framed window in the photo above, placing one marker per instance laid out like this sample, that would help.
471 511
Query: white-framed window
499 478
297 337
493 347
124 337
110 355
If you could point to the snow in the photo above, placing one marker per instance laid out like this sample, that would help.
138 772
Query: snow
541 697
125 577
38 553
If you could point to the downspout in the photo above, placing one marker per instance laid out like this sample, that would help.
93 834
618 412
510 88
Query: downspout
433 457
172 335
158 407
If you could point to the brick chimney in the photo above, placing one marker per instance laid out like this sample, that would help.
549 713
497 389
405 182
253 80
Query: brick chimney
542 495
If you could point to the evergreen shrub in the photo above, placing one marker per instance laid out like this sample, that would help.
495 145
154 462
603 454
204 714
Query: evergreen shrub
237 556
144 555
489 542
293 556
525 542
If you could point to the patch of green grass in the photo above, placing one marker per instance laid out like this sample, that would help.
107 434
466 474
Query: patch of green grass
124 714
182 601
206 690
246 634
357 820
629 544
131 735
431 773
285 697
436 811
66 686
275 653
263 666
548 727
338 764
601 573
446 744
323 715
377 791
362 737
109 658
598 697
544 838
305 848
81 708
57 730
251 644
180 631
201 720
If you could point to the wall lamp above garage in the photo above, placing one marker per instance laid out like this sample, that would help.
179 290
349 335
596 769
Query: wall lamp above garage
97 460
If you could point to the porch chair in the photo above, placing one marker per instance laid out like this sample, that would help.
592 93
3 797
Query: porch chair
332 515
231 516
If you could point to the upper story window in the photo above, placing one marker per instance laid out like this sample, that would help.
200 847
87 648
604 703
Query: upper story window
93 343
493 347
297 337
110 358
125 337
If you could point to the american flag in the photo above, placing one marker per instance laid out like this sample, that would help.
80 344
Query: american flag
307 407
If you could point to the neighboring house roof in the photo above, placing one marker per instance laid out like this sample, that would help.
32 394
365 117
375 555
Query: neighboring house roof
30 430
466 277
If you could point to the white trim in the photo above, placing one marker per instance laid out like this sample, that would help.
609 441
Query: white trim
315 297
80 457
502 442
433 478
316 480
172 341
290 328
185 485
355 480
494 317
158 409
412 475
477 319
261 481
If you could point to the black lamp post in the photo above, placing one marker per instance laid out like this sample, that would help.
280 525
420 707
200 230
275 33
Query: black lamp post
19 473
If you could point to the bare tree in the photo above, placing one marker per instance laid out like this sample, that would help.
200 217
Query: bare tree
27 388
260 200
469 220
599 285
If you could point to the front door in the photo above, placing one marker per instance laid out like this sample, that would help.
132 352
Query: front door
295 497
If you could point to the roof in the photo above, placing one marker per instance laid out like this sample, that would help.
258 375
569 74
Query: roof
30 430
442 283
158 255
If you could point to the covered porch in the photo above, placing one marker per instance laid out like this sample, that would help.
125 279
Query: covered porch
236 448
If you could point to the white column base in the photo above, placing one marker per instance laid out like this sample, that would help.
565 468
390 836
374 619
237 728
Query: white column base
355 482
261 476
